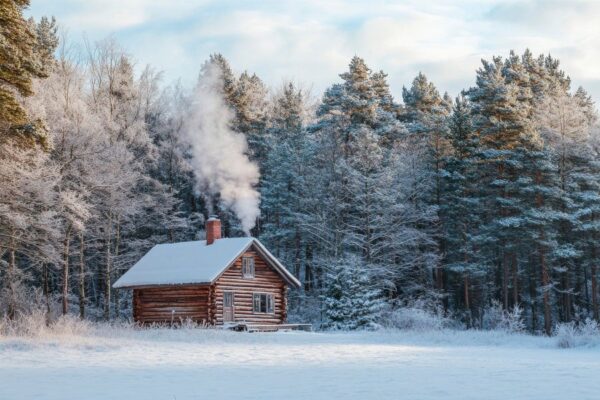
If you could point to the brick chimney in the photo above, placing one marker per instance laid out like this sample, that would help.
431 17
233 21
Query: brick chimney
213 229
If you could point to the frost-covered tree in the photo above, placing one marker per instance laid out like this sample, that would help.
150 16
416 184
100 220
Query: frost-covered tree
283 184
500 118
251 108
28 223
425 114
461 219
350 301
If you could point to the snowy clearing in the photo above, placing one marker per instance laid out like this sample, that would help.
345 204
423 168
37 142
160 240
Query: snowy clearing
202 364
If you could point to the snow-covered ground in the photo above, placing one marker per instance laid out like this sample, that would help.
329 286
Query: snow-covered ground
206 364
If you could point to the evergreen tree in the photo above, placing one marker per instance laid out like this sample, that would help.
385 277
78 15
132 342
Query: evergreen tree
459 210
425 114
250 105
284 181
350 302
19 65
501 109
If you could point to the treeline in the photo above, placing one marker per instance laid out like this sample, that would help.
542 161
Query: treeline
464 204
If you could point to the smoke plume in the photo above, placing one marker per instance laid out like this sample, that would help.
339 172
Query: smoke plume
219 158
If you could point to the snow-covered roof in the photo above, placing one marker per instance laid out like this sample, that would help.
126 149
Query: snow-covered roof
194 262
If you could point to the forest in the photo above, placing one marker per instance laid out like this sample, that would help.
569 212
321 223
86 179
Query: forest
477 206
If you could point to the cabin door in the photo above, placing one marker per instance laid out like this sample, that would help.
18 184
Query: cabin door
228 307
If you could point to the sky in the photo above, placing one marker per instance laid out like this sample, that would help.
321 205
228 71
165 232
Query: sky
312 41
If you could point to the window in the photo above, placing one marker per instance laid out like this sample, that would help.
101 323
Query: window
247 267
227 299
263 303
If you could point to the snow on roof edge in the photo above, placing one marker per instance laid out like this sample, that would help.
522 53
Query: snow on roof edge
279 267
149 272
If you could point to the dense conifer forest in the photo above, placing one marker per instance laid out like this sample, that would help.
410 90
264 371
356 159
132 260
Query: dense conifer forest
469 205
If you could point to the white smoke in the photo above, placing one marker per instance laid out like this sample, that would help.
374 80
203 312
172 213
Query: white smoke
219 158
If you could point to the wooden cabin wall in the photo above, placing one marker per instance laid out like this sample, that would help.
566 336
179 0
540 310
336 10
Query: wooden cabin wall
156 304
266 280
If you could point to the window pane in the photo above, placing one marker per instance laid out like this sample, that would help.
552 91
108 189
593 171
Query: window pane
263 303
256 302
248 267
269 303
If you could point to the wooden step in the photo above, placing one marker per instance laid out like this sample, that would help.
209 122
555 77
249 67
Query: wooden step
247 327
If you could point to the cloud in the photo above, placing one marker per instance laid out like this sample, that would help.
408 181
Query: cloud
102 17
312 41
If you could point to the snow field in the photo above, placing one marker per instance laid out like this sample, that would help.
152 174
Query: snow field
203 364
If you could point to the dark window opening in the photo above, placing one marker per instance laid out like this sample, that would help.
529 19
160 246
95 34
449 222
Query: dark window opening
263 303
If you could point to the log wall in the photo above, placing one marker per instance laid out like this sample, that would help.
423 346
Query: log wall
167 303
265 280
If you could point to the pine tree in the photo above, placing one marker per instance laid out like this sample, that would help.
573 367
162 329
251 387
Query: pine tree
229 80
350 302
283 185
250 105
501 109
425 114
461 205
586 199
19 65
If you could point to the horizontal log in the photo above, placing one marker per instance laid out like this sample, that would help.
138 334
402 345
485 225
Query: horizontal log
255 320
170 309
249 294
169 288
173 295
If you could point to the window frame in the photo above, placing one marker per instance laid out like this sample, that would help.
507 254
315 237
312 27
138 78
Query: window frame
269 303
245 273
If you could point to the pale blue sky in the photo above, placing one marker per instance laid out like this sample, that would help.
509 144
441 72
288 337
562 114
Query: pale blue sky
312 41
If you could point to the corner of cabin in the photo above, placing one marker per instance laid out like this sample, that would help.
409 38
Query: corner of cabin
250 291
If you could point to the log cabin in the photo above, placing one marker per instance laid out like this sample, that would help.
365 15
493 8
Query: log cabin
217 281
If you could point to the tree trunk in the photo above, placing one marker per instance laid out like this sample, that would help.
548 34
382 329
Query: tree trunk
107 270
308 275
593 272
515 276
81 276
11 278
65 288
543 267
533 294
46 292
595 292
505 281
567 297
116 254
545 283
467 300
297 250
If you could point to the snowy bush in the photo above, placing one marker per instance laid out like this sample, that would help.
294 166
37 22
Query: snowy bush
590 328
495 318
419 315
576 335
512 321
30 324
492 316
70 325
189 323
